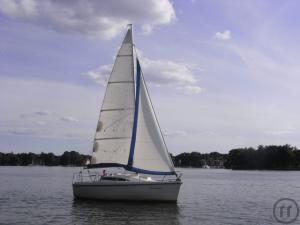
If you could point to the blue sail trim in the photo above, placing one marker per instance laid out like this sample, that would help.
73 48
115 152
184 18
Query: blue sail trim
104 165
129 168
137 170
136 113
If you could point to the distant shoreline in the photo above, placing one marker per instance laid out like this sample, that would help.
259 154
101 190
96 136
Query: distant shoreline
177 168
264 158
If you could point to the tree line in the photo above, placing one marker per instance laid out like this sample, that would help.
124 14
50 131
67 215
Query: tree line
198 160
68 158
272 157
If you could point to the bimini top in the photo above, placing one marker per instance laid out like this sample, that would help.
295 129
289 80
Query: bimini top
128 134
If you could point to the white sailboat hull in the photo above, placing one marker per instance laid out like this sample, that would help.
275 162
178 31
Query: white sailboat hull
128 191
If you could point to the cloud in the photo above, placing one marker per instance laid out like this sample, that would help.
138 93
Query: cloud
21 131
158 72
94 18
69 119
166 72
147 29
100 75
191 89
278 132
175 133
226 35
41 123
69 101
43 113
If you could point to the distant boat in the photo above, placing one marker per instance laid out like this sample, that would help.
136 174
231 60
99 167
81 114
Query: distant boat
205 167
32 163
128 136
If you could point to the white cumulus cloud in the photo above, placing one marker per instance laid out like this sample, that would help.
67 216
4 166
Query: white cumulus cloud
191 89
43 113
166 72
100 75
158 72
95 18
69 119
225 35
147 29
21 131
175 133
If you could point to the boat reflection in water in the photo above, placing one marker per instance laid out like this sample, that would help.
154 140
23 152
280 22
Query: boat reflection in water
91 212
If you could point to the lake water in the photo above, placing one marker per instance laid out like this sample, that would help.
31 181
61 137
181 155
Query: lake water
43 195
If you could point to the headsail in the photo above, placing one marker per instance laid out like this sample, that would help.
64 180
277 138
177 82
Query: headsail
114 129
150 153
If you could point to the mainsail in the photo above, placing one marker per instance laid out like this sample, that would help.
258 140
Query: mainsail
128 134
114 129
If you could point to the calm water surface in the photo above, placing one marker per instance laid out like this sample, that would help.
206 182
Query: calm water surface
43 195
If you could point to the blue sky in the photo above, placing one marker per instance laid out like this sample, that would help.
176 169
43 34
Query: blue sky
222 74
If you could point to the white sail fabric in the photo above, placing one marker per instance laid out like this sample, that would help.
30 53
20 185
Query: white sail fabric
150 152
114 129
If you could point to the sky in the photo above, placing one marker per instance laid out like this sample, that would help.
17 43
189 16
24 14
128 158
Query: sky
222 74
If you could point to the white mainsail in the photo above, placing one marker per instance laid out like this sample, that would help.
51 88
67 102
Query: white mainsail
128 133
114 129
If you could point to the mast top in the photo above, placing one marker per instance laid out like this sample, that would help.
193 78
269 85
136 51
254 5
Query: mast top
128 36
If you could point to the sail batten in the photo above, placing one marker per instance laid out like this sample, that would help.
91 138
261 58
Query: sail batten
118 109
97 139
118 82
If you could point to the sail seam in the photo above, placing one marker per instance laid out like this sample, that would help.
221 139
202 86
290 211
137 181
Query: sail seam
119 109
124 55
116 82
99 139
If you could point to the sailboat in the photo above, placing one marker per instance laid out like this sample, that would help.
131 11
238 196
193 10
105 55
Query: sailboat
128 141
